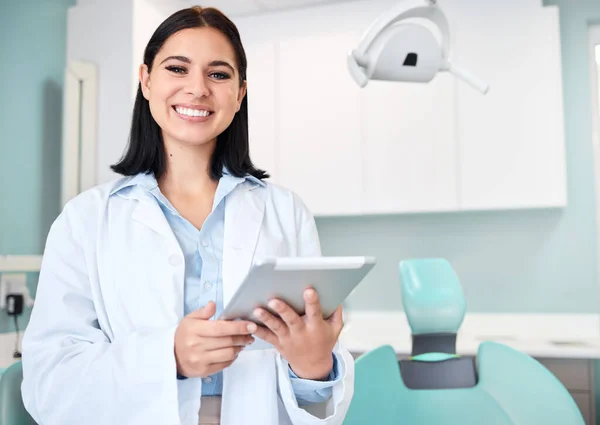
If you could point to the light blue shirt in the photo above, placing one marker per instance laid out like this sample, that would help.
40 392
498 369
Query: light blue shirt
203 253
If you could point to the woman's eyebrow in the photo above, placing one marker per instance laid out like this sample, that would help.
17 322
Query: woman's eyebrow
222 63
213 63
179 58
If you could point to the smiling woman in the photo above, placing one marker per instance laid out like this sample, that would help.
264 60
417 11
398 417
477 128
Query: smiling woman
136 270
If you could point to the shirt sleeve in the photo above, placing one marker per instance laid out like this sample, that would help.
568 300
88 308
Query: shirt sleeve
308 391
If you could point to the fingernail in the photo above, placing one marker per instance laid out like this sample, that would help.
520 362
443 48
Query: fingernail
273 304
257 312
310 294
252 327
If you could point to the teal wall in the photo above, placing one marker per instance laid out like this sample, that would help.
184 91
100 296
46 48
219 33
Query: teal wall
32 59
518 261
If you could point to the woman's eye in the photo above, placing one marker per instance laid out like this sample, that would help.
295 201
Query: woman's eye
176 69
220 75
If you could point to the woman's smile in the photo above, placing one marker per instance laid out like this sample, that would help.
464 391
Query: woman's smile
198 114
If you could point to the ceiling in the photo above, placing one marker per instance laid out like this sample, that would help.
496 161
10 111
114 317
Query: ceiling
241 7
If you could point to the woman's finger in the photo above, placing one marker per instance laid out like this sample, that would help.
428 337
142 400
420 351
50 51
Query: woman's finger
222 355
337 320
215 343
275 324
216 367
267 335
219 328
287 314
314 312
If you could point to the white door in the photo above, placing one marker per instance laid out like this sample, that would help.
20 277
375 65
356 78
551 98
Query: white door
594 55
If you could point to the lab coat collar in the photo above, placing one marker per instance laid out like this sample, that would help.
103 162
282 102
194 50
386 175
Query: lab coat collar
148 181
248 177
145 180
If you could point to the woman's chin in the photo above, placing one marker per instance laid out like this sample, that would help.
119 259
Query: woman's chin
192 140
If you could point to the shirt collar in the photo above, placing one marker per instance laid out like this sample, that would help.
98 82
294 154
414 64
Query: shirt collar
247 177
148 181
145 180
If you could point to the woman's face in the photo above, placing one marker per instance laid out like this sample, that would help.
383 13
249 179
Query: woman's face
193 89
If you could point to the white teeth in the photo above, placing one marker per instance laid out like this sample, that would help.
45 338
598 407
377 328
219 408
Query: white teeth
191 112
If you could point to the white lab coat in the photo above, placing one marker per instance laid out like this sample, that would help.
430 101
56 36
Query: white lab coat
99 346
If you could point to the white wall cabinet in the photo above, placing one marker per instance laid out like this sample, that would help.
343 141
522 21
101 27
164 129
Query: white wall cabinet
320 140
511 141
398 148
347 150
410 157
390 147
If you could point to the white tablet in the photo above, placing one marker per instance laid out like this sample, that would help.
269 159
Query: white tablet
334 278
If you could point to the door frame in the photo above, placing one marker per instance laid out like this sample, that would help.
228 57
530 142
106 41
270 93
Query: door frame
594 64
79 129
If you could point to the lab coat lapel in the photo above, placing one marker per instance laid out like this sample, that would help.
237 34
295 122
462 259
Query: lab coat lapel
148 213
244 211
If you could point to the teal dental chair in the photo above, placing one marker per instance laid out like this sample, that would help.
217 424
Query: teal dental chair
435 386
12 411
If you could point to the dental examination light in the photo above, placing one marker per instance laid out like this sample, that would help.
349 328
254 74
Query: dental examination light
393 49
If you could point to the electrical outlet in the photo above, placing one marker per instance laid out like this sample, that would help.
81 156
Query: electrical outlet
14 283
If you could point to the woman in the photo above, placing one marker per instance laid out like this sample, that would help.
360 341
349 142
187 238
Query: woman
134 270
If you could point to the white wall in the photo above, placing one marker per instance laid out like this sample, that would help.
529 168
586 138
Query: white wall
101 32
146 19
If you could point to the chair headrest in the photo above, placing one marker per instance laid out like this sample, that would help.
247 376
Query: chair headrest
432 296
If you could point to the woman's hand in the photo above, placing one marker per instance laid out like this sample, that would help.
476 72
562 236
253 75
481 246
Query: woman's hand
306 342
204 347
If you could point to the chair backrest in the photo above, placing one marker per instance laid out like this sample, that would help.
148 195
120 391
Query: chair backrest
377 389
513 389
12 411
508 387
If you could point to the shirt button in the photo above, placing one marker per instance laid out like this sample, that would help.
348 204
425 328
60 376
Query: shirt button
208 380
204 243
207 285
175 260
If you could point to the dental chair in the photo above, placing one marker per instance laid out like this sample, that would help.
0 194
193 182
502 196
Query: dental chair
12 411
435 386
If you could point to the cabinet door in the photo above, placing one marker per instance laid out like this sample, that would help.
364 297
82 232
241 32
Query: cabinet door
512 139
410 136
261 107
320 124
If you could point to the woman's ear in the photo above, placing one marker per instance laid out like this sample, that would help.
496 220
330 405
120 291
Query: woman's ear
241 95
145 81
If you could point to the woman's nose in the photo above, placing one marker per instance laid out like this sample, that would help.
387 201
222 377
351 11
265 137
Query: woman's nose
198 87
